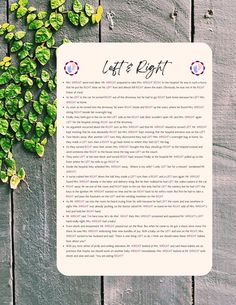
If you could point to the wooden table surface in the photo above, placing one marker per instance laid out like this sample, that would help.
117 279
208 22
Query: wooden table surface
28 272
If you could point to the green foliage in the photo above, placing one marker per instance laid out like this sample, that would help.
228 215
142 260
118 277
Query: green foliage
26 117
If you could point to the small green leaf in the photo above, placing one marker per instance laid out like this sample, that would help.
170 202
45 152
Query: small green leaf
5 77
42 14
19 35
32 9
14 182
20 114
89 9
40 129
12 91
13 7
52 111
26 125
56 20
3 177
42 35
39 83
28 96
83 19
21 11
30 18
61 9
38 107
10 28
3 126
12 105
51 85
44 141
73 17
15 125
51 130
42 54
29 145
28 46
2 93
5 144
16 46
43 97
20 135
21 173
33 116
21 103
39 149
45 76
77 6
23 54
27 65
51 42
47 120
56 3
9 36
26 81
35 24
23 2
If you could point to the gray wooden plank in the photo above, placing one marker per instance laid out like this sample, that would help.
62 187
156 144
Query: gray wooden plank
148 21
5 211
37 280
215 24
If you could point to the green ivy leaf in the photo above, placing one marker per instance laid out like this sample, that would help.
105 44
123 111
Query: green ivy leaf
26 125
43 97
51 42
27 65
33 116
51 85
56 3
19 35
28 96
29 145
21 103
21 11
23 2
52 111
61 9
13 7
56 20
12 91
20 135
10 28
39 83
39 149
5 77
28 46
73 17
51 130
23 54
12 106
5 144
42 14
32 9
9 36
42 54
30 18
35 24
3 126
15 125
47 120
42 35
21 173
89 9
40 129
26 81
77 6
45 76
16 46
20 114
83 19
2 93
38 107
14 182
3 177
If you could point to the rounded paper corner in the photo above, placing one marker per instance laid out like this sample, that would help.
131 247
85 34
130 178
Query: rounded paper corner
206 271
206 45
63 47
60 270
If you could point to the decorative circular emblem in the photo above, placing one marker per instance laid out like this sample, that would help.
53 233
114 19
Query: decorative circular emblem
71 67
197 67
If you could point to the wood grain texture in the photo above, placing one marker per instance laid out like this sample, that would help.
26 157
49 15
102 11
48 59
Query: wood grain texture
149 21
215 24
147 290
5 211
37 280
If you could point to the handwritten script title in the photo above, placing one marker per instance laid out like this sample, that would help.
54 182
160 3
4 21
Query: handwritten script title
143 67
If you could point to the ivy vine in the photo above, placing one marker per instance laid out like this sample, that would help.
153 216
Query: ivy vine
25 116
